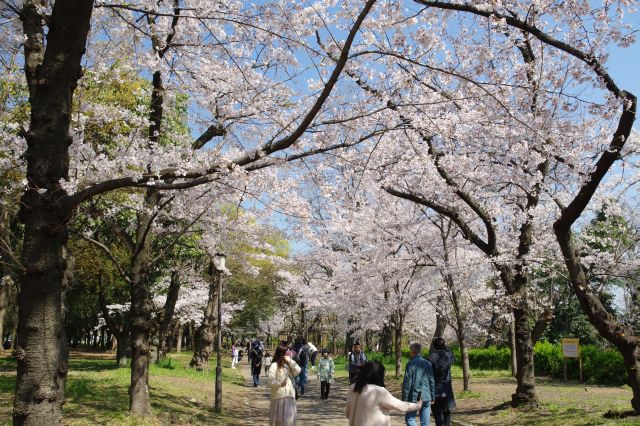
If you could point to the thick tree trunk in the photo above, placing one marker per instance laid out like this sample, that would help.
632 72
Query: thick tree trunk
205 334
526 390
52 76
122 346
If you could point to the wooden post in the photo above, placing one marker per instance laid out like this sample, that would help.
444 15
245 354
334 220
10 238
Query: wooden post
580 366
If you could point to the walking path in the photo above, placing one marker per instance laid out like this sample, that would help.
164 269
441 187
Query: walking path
311 409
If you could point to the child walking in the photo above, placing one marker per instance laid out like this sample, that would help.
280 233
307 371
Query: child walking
326 371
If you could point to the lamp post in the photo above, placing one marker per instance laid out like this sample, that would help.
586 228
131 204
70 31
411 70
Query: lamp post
219 264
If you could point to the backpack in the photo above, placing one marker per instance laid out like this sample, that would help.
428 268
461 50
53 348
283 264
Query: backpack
256 356
302 356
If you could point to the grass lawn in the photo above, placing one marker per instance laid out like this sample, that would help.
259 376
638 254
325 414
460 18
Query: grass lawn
97 392
563 404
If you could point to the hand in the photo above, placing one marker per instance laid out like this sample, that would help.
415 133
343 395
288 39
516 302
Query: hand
419 405
283 384
433 401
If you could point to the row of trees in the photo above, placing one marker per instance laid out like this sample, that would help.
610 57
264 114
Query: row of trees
413 143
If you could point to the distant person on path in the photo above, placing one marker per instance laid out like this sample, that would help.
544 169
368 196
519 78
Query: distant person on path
283 410
267 362
302 359
441 360
357 359
368 402
418 384
313 353
234 355
255 357
326 372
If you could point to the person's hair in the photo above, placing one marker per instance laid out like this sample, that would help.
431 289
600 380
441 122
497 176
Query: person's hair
416 347
371 373
325 350
439 343
278 357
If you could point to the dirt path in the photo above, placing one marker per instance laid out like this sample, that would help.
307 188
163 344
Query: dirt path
311 409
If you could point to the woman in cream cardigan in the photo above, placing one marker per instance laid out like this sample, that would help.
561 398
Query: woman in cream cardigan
283 403
369 403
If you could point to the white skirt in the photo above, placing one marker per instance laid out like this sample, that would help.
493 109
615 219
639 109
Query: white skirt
283 412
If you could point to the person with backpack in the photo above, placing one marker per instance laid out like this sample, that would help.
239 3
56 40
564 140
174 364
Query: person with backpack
441 359
313 354
301 358
255 357
357 359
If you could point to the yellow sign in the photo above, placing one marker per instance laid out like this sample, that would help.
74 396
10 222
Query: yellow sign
571 348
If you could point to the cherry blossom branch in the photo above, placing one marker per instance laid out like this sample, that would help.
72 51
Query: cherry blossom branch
202 177
513 21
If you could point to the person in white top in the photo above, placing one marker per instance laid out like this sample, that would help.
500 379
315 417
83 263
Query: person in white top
283 369
369 403
234 355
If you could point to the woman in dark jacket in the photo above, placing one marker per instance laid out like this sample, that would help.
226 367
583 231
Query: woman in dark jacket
441 360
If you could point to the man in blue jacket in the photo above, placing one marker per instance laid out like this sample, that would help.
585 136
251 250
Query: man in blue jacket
417 384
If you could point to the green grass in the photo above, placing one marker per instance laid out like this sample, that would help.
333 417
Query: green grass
96 392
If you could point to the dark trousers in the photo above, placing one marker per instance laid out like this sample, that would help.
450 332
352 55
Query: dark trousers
324 390
442 418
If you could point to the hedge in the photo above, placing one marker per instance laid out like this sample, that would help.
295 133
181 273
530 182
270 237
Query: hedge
601 366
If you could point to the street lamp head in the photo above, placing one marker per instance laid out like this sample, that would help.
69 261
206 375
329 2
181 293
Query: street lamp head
219 261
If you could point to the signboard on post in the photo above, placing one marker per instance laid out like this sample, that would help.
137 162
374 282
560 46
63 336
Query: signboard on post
571 349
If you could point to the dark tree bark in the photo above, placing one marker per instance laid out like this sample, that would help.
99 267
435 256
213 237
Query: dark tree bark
120 332
385 340
398 329
512 346
167 314
142 309
52 76
205 334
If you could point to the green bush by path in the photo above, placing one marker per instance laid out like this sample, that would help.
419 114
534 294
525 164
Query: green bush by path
600 366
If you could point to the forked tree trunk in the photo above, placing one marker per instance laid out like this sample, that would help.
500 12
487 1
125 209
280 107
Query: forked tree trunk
52 76
204 336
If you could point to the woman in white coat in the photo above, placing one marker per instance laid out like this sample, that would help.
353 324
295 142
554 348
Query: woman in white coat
369 403
283 369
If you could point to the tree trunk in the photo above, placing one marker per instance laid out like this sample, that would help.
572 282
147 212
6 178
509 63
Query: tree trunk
179 338
512 345
52 76
526 390
4 301
122 345
385 340
397 342
205 335
606 324
167 315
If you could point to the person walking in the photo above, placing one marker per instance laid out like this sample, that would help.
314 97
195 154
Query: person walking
313 354
441 359
418 384
267 362
326 373
255 357
302 359
234 355
369 403
357 359
282 410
